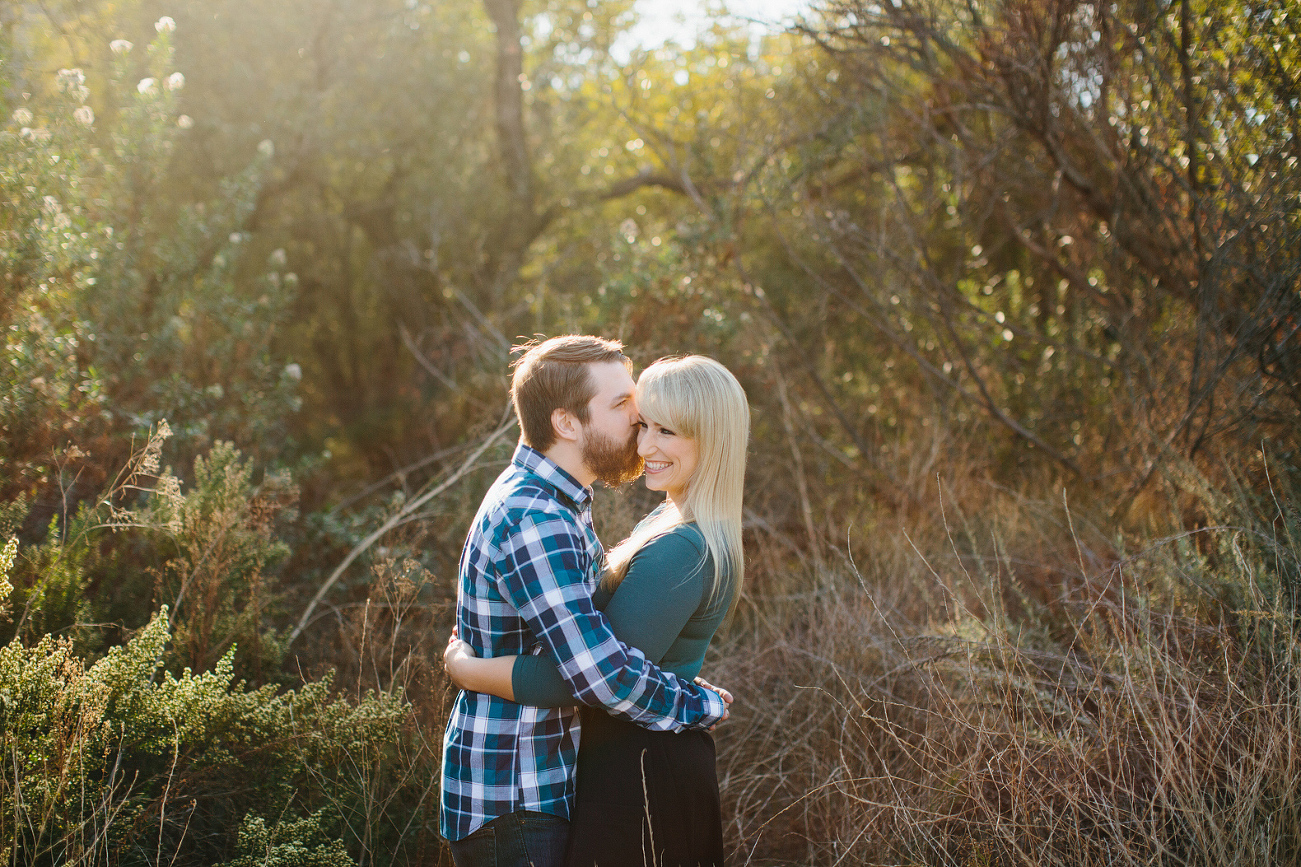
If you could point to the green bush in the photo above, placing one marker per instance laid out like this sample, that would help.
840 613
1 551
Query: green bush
288 844
122 762
142 752
122 302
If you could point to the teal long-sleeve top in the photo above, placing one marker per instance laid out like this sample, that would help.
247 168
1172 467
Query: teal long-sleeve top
662 607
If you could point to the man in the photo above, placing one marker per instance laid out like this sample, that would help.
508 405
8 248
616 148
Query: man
526 577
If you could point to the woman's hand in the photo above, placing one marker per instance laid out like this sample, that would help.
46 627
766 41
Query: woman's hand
469 672
723 694
455 658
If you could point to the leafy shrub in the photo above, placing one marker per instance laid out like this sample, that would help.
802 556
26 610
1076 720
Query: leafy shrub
300 843
142 752
120 303
122 762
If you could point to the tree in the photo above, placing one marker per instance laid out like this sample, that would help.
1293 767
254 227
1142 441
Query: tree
1064 215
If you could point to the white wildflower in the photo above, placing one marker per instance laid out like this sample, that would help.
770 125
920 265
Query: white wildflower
84 114
69 78
278 258
147 85
175 81
266 147
236 237
120 46
294 372
166 24
73 83
22 116
185 121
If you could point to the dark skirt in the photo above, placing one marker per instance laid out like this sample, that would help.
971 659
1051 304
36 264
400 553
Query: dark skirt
644 798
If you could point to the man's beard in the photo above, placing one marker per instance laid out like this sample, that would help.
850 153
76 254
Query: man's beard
611 461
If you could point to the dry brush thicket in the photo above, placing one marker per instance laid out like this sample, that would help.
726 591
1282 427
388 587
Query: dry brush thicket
994 700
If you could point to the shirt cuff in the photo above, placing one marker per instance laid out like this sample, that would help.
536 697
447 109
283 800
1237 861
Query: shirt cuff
715 709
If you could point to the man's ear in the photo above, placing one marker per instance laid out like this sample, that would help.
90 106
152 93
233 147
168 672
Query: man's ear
566 425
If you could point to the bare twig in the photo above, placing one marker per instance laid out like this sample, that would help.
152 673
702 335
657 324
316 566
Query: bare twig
398 518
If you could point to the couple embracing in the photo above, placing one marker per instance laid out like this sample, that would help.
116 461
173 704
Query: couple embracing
547 623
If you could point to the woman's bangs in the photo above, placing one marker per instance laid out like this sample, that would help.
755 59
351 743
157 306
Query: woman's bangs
656 402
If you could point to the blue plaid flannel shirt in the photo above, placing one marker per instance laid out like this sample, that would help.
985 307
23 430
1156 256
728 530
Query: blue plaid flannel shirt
530 565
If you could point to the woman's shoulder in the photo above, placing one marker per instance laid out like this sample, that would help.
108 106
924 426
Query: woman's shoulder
681 543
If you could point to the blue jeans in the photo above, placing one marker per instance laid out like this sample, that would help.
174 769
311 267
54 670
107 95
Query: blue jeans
524 838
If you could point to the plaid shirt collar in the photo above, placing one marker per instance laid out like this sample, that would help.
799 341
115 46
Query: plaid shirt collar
565 485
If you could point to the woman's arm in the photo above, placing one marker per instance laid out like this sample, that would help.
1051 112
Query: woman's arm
468 671
493 676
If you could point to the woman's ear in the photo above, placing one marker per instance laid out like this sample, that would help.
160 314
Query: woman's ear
566 425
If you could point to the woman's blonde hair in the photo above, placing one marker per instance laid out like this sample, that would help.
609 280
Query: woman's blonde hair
698 398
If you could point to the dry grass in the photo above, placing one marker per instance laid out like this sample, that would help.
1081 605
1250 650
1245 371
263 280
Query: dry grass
945 702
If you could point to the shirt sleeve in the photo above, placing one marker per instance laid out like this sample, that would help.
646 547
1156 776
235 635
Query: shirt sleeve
541 574
659 594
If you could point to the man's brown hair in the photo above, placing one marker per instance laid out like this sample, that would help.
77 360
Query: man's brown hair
553 375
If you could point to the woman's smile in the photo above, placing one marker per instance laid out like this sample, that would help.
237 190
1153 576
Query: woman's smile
670 458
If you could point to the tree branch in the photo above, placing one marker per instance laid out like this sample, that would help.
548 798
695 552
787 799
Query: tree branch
395 520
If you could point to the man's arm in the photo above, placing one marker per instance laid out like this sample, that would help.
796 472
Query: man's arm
657 598
541 574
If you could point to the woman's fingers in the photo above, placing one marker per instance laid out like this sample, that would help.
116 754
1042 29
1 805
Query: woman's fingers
727 696
455 652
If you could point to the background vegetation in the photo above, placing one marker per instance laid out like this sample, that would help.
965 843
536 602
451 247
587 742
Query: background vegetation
1013 288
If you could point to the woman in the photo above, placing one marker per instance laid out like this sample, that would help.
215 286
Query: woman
652 797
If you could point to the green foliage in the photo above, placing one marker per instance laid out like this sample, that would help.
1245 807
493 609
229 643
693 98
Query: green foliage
220 537
121 756
51 584
7 556
48 393
208 552
288 844
90 358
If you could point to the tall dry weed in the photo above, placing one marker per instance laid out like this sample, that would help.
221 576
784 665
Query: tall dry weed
998 700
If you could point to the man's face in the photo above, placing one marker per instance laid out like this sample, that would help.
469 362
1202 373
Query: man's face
610 434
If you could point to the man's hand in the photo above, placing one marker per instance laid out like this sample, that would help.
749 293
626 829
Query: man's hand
724 694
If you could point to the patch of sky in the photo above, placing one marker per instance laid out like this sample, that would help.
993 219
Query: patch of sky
682 21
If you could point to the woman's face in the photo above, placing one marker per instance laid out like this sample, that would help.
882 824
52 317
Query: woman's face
670 458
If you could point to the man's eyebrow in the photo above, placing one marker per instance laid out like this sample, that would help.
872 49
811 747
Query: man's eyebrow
622 396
